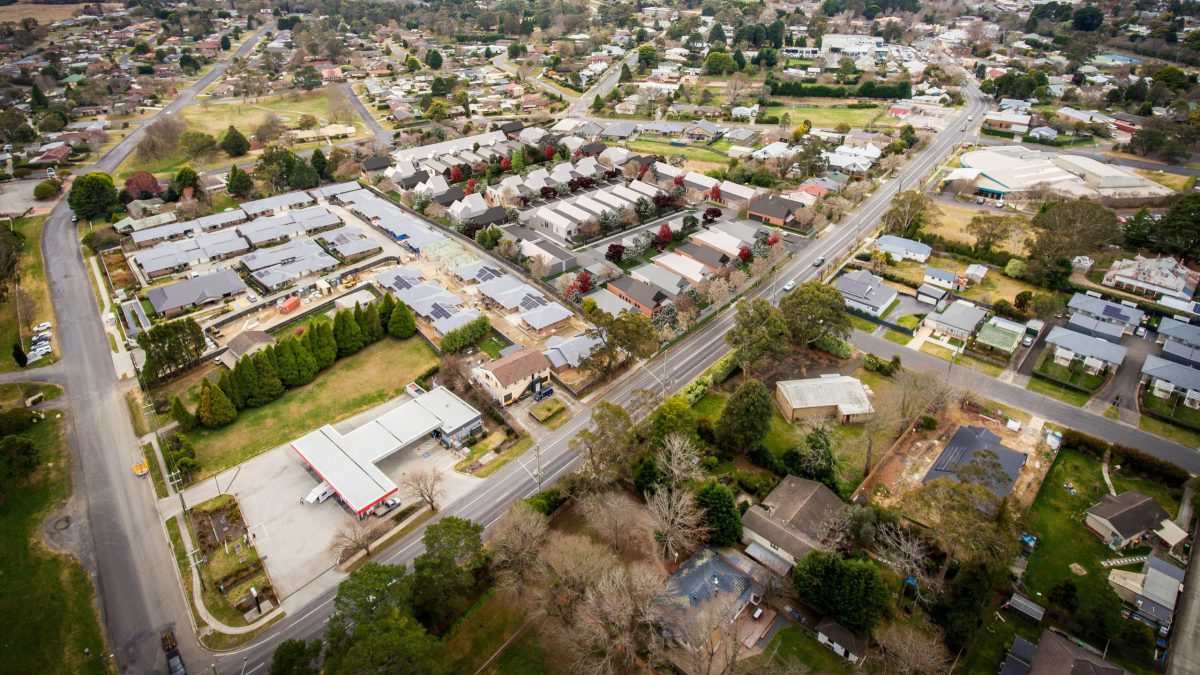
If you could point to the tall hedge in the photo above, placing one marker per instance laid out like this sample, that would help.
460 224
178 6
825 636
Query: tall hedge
464 336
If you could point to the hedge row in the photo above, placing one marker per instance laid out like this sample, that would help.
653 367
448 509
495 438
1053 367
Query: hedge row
865 90
831 345
466 335
1130 459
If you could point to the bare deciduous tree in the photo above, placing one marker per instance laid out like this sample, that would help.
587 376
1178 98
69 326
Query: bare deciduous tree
678 459
616 621
516 544
569 565
710 645
913 651
677 520
26 307
611 514
350 540
904 551
426 485
833 530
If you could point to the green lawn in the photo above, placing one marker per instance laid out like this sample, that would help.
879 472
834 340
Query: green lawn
33 283
797 650
910 321
821 116
862 324
1173 408
781 437
700 153
1046 387
215 118
961 359
491 345
505 457
352 385
1169 431
47 598
484 630
897 337
1074 378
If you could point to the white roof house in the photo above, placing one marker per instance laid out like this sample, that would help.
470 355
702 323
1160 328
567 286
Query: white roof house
1155 277
684 266
843 393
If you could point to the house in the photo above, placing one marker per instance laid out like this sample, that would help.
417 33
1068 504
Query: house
960 320
838 397
709 579
467 208
785 527
736 196
864 292
1110 332
648 299
374 166
665 280
569 352
932 295
843 643
1167 379
703 131
556 258
774 210
1056 653
511 377
1173 330
935 276
245 343
971 443
1128 318
181 296
1045 134
1125 519
900 248
975 273
1153 277
1097 356
620 131
1002 120
1151 595
999 336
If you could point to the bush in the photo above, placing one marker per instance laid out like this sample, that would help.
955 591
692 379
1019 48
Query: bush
16 420
760 456
756 484
723 368
927 423
877 365
464 336
47 189
831 345
22 172
696 389
547 501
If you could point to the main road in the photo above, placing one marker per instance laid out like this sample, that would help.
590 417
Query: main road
122 542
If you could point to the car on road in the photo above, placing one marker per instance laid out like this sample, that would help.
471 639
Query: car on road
1028 341
1000 204
970 118
819 261
981 200
789 285
963 128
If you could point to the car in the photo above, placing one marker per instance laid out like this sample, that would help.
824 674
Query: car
819 261
252 297
50 172
175 663
45 325
74 218
386 506
1028 341
1140 332
543 393
963 128
970 118
980 200
1000 204
789 285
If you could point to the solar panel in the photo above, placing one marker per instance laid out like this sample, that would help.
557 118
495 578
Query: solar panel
438 312
532 302
487 274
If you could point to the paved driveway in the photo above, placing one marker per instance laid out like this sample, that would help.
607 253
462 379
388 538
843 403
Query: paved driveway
1129 375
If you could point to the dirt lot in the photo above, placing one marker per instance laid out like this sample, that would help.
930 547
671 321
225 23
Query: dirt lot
119 274
43 13
910 458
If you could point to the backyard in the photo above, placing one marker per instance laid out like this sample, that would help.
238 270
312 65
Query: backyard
1172 409
950 222
33 284
995 285
824 116
350 386
49 602
796 647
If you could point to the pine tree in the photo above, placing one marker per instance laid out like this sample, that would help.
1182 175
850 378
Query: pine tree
402 325
37 98
204 408
234 143
220 412
386 304
372 328
240 183
179 413
320 164
358 319
720 514
306 363
226 383
245 380
19 355
346 334
285 364
269 386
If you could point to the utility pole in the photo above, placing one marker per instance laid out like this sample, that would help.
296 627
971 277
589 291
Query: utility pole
537 453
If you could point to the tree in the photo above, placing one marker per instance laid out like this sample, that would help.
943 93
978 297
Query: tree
746 419
303 176
351 540
433 59
719 63
907 213
674 416
614 253
269 385
18 459
913 651
395 644
319 163
647 57
676 461
617 622
37 98
401 324
141 185
347 334
759 331
814 311
516 543
18 354
169 346
426 485
92 195
629 333
307 78
225 43
233 143
606 446
721 515
240 184
186 177
677 521
197 144
1178 233
990 228
445 574
966 518
1065 230
214 410
1087 18
850 591
47 189
179 413
371 592
296 657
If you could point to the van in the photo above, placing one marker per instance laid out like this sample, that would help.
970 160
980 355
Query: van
319 494
543 393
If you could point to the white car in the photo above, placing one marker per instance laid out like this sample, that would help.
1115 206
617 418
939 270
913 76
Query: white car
252 297
44 335
45 325
789 285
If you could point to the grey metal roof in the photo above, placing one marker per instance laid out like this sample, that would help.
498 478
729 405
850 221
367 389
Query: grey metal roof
959 316
865 288
963 448
890 242
1176 373
570 351
941 274
195 291
1173 329
1081 323
1105 310
1086 345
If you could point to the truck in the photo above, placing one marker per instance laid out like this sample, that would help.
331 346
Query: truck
171 648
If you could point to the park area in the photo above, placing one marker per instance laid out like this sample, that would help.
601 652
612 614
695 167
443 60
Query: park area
827 116
351 385
52 624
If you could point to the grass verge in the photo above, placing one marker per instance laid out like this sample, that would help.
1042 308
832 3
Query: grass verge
1047 388
505 457
160 485
416 522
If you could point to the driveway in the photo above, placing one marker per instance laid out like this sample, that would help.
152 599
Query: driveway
1125 383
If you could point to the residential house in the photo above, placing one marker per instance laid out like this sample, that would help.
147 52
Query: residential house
1056 653
569 352
1167 379
467 208
709 578
1123 520
1096 355
774 210
959 321
1128 318
843 643
1151 595
1002 120
1153 277
900 248
665 280
998 337
702 131
946 279
511 377
176 298
866 293
245 343
786 526
647 298
712 259
838 397
1174 330
1110 332
971 443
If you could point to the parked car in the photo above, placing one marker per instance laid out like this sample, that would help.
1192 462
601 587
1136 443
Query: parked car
386 506
543 393
252 297
1028 341
1140 332
44 335
789 286
43 326
318 494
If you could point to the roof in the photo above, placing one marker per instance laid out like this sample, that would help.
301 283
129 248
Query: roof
965 446
843 391
517 366
865 288
1082 323
195 291
1086 345
841 636
570 351
1103 309
1179 331
1176 373
545 315
1129 513
940 274
999 336
1026 606
774 206
791 515
277 202
960 315
1057 654
246 341
705 576
643 293
360 484
890 242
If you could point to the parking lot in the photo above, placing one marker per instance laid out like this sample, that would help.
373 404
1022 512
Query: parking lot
294 538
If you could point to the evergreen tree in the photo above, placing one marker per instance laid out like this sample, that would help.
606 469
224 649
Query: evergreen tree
386 304
747 417
269 386
225 382
234 143
245 381
37 98
720 514
320 164
19 354
214 410
328 344
346 334
358 319
401 324
306 364
372 328
285 364
180 414
240 183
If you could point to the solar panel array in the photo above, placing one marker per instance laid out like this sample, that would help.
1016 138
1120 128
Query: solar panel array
532 302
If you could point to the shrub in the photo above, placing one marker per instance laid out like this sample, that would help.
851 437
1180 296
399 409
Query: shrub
832 345
927 423
464 336
723 368
547 501
696 389
760 456
47 189
16 420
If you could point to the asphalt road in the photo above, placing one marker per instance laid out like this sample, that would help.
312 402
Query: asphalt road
381 135
124 545
581 105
